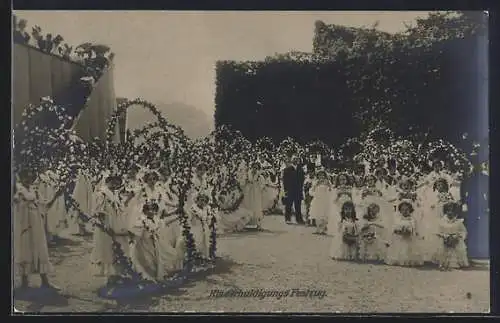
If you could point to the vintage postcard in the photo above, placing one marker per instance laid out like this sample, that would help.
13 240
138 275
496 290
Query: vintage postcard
250 162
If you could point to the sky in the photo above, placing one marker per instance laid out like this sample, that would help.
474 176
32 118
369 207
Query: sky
167 57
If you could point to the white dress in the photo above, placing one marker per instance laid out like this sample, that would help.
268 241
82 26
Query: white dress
56 219
108 210
341 247
252 198
448 256
83 195
372 196
321 206
134 188
340 196
431 220
200 221
430 179
270 193
404 248
159 246
373 239
198 185
230 219
31 254
455 189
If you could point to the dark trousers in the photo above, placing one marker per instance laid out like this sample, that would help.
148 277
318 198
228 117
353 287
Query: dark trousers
296 202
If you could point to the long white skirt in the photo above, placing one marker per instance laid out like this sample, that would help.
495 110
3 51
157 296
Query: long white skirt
201 235
156 255
57 217
233 222
340 250
31 254
321 208
404 251
252 201
83 195
452 257
103 255
269 195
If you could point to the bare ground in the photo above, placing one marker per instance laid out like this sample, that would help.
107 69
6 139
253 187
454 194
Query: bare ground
283 257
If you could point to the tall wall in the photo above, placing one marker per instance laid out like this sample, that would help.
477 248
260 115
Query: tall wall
37 74
99 108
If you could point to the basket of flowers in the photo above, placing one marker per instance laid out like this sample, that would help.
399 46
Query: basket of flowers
404 230
451 240
368 235
350 235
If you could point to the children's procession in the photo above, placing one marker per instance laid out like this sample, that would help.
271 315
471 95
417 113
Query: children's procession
156 203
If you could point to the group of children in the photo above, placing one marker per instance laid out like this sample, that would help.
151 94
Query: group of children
373 217
138 210
397 220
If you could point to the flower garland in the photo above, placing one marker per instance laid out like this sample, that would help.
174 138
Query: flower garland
69 161
58 148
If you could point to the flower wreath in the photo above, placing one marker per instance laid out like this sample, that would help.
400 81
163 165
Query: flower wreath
58 148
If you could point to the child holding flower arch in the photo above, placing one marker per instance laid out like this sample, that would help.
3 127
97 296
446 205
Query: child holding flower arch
31 254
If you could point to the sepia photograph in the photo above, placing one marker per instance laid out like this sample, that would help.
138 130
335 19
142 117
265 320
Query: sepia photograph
250 162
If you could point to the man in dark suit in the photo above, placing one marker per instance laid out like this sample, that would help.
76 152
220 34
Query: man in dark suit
293 184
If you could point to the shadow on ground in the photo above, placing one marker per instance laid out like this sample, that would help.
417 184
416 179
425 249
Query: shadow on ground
251 232
146 302
63 242
62 248
38 298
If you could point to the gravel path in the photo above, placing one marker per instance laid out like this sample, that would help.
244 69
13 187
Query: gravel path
280 259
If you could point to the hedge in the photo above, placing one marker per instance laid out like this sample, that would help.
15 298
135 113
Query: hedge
308 97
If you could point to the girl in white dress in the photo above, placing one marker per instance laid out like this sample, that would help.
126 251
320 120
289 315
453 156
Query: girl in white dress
31 254
371 194
172 241
133 187
452 252
145 251
358 187
406 190
429 180
108 211
344 245
341 193
309 183
322 202
168 191
83 195
200 215
373 240
51 191
232 217
404 244
270 191
455 186
381 175
433 217
158 245
371 188
252 191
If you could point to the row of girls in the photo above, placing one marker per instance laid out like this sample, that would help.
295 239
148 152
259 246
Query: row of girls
140 206
408 221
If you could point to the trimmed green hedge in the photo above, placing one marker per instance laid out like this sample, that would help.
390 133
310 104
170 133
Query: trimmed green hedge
332 100
354 79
